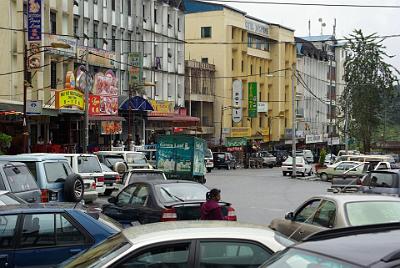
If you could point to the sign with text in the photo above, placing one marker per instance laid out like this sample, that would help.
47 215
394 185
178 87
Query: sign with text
162 106
252 101
135 67
70 98
35 20
240 132
104 100
111 127
68 52
237 96
314 138
256 27
34 107
34 56
262 107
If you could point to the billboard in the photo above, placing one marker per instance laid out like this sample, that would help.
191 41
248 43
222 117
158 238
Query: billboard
252 101
237 95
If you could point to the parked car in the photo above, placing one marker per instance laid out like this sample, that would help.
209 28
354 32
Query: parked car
302 167
307 154
112 179
53 175
150 152
384 182
160 200
137 175
255 161
88 167
224 160
335 211
209 160
113 161
212 244
7 198
281 156
373 246
133 160
45 235
349 152
337 170
268 159
329 159
365 158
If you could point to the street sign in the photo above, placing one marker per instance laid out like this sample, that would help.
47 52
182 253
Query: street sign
34 107
237 95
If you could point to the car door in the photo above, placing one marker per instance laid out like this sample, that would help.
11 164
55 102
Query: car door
48 239
8 228
172 254
221 253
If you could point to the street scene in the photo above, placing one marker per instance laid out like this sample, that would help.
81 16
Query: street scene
199 134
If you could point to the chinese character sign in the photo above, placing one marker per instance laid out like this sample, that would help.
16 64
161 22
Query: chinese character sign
34 20
252 102
104 100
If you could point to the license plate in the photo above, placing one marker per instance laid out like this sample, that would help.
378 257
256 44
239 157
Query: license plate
53 196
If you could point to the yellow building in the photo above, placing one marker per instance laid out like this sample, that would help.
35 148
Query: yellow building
249 50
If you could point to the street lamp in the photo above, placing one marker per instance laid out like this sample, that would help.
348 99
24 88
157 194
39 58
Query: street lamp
222 119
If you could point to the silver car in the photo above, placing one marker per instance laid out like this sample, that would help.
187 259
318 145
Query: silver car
185 244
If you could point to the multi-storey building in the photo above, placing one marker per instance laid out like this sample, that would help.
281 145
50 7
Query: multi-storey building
253 60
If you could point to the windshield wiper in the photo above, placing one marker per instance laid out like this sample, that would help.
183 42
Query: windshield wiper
171 195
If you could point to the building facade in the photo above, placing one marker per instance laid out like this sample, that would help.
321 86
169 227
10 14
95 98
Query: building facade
253 60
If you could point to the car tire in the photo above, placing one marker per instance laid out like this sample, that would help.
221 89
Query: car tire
284 173
209 169
324 177
303 174
107 192
310 173
73 188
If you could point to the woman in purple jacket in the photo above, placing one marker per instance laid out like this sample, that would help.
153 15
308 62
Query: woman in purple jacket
211 210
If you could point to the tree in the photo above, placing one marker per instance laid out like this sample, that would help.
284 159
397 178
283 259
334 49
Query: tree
369 86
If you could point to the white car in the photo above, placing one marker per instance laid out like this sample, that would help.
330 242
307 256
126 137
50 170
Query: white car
209 160
184 244
329 159
302 167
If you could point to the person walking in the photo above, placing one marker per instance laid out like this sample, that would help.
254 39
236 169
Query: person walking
211 210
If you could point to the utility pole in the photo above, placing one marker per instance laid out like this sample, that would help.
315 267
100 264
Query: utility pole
86 140
330 102
222 118
346 127
294 171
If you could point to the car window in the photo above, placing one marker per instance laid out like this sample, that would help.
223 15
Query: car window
383 180
224 254
111 160
140 196
325 215
10 199
42 230
220 156
173 192
20 179
88 164
105 168
32 168
55 172
340 166
306 213
135 176
208 153
125 195
359 213
136 159
7 230
175 255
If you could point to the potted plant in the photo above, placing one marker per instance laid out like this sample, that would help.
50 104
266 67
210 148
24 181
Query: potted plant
321 162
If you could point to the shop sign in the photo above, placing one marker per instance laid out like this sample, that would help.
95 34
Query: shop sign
98 57
334 141
68 52
70 98
262 107
240 132
237 95
314 138
235 142
252 102
135 67
70 80
111 127
105 84
34 56
34 107
35 20
162 106
234 149
256 27
104 100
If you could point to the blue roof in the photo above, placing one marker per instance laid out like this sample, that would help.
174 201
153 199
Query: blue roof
193 6
32 157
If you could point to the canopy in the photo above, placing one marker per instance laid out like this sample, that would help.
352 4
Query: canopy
136 103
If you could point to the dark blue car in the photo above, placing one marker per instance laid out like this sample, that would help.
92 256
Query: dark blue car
47 234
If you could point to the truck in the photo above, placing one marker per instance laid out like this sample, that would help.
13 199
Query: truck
182 157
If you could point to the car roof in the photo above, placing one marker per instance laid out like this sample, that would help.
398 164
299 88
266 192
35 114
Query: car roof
118 152
76 154
38 207
354 244
394 171
354 197
32 157
145 170
155 182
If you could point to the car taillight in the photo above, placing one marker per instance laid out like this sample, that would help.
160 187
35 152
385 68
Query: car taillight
231 214
117 179
100 179
299 165
94 186
169 214
44 196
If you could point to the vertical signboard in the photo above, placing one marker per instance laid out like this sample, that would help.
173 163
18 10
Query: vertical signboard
237 95
252 102
135 64
34 20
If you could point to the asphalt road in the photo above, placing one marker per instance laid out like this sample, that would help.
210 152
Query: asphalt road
258 195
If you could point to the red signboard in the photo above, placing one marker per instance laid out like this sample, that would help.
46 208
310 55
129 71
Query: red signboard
105 98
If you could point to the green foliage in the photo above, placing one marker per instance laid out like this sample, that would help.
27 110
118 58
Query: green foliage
369 86
5 142
322 156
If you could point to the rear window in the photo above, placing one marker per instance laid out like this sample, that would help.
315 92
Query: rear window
372 212
180 192
55 172
140 176
208 153
88 164
386 180
136 159
20 179
111 160
10 199
221 156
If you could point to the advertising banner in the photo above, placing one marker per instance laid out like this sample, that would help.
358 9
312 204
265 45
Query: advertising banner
237 95
111 127
104 100
135 67
34 20
68 52
162 106
70 98
252 102
34 56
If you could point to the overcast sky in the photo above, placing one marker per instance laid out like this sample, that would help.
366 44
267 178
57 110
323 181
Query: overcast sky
370 20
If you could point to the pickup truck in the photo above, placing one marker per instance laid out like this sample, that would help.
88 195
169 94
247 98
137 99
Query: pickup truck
349 183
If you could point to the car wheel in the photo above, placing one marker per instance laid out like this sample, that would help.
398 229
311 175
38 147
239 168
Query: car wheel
209 169
324 177
303 174
310 173
107 192
73 188
284 173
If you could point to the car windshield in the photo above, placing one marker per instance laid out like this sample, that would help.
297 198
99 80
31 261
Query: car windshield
208 153
10 199
295 258
174 192
98 255
299 159
221 156
140 176
20 179
136 158
383 180
105 168
88 164
111 160
372 212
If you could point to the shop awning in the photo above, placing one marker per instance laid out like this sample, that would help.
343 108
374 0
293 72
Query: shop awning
135 103
106 118
174 118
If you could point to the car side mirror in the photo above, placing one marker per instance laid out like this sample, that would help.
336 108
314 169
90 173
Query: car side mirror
112 200
289 216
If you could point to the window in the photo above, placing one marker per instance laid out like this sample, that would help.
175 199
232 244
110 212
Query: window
7 230
53 75
76 23
175 255
129 8
325 215
20 179
53 22
55 172
386 180
126 194
129 42
112 5
42 230
169 20
206 32
360 213
179 24
233 33
88 164
113 39
204 60
233 64
259 72
181 192
136 159
155 16
224 254
95 34
251 69
307 212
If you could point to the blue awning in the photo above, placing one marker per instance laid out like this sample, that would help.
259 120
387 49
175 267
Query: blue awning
136 103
